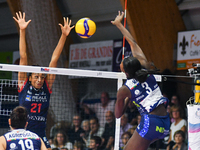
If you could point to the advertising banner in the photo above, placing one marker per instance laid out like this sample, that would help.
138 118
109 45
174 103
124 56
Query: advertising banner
117 53
91 56
188 49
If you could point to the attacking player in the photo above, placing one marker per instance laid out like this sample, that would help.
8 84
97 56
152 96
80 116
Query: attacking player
141 88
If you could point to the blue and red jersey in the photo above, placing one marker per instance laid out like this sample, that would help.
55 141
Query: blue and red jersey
36 102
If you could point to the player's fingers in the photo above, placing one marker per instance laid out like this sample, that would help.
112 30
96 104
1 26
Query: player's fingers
28 22
20 14
23 15
17 15
69 22
15 19
72 27
60 25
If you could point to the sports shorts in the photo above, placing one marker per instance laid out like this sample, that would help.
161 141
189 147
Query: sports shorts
153 127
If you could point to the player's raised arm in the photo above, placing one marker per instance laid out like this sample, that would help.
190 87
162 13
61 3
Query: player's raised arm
136 50
20 19
56 54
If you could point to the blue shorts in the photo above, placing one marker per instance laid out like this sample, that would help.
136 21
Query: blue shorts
153 127
42 135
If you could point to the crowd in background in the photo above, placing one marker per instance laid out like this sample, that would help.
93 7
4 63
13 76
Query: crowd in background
94 127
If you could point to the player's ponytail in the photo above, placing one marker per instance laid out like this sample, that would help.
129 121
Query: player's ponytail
141 75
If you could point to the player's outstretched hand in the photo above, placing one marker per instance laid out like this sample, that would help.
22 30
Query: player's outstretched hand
118 18
20 19
66 28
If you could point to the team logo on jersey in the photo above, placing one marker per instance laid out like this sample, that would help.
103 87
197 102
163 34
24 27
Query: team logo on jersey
137 92
29 92
28 98
12 145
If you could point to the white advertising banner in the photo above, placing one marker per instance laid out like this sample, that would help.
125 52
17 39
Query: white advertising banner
91 56
193 127
188 49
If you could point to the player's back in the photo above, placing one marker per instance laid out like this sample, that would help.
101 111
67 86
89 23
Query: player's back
21 139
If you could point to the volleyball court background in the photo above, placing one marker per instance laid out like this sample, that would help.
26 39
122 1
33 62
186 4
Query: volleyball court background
65 98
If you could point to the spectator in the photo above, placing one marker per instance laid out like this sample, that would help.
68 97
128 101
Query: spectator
132 129
78 146
109 131
86 127
175 100
179 137
95 129
132 112
61 141
125 137
95 143
100 109
178 124
76 130
124 126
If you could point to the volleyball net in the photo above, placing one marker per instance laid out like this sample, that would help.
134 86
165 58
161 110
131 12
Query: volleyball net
71 88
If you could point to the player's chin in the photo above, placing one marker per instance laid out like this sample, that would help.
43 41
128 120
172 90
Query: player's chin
38 86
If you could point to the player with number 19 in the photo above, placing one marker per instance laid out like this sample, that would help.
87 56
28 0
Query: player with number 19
19 138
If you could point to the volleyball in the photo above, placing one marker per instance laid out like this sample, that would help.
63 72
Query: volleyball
85 27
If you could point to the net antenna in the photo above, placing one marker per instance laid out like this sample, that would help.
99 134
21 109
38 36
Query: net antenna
125 27
117 125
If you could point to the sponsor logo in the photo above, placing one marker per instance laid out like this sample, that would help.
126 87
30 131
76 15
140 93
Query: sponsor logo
183 44
37 118
12 145
160 129
197 113
45 69
28 98
29 92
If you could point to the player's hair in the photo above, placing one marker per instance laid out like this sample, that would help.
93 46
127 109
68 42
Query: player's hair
19 117
30 73
135 70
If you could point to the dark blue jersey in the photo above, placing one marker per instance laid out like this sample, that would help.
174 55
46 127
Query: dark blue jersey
36 102
20 139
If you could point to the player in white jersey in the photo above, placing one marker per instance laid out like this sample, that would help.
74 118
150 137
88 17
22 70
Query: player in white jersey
19 138
141 89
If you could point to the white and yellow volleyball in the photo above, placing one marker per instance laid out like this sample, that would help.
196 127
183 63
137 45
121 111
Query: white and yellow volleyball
85 27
